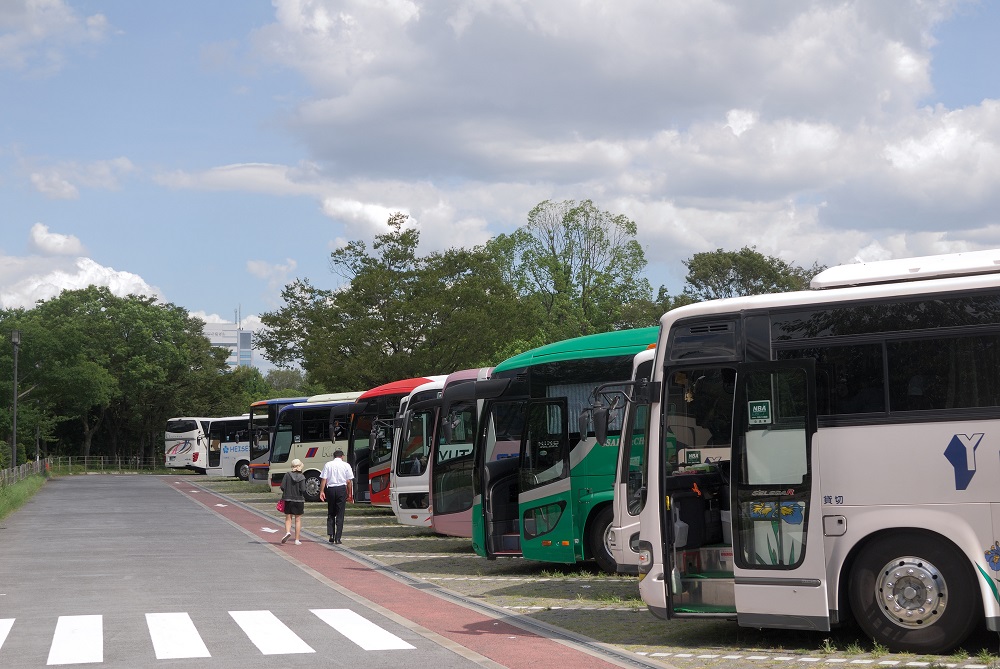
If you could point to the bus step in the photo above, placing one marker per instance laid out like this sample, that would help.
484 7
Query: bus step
507 543
706 592
691 608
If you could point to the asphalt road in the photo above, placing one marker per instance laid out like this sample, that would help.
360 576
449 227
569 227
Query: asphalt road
140 571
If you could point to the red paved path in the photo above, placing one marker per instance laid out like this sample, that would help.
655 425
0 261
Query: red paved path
501 642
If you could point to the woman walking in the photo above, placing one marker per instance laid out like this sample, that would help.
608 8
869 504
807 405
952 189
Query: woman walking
293 491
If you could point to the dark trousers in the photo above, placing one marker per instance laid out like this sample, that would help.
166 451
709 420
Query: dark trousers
336 504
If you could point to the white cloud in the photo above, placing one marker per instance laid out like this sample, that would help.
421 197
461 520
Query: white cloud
275 275
61 181
54 244
35 35
265 270
257 177
27 280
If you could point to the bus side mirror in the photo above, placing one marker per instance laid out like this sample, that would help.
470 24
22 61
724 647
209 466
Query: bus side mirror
601 424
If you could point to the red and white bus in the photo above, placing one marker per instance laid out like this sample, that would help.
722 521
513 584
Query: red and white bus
369 444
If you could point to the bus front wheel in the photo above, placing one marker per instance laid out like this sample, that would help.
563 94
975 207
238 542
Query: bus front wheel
312 487
597 539
243 470
914 593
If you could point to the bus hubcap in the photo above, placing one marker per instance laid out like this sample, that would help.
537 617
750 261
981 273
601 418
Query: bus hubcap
912 592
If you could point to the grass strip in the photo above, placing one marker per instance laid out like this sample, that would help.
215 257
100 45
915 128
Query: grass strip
13 497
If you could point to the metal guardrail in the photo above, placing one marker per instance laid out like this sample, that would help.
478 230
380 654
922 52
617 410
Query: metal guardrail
102 463
78 465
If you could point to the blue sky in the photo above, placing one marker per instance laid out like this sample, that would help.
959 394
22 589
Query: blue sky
209 153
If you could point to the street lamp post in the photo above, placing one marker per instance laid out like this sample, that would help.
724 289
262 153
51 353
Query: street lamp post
15 339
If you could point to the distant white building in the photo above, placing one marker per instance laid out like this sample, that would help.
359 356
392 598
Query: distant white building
236 340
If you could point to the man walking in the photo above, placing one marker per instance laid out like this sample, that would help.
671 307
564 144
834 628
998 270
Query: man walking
336 488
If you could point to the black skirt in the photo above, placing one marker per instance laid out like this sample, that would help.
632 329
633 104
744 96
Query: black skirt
294 508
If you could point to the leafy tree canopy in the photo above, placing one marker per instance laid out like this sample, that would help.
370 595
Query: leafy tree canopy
719 273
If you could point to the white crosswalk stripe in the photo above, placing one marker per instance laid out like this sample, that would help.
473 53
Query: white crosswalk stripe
174 636
5 625
270 635
360 630
77 640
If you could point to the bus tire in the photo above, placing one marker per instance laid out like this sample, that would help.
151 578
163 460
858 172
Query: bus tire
243 470
312 487
597 539
889 605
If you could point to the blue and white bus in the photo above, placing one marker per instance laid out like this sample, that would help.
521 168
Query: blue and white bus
228 447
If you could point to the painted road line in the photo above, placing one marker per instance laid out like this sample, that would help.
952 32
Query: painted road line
77 640
5 625
361 631
270 635
174 636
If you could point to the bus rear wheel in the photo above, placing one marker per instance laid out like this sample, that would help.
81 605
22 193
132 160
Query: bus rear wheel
243 470
312 487
914 593
597 539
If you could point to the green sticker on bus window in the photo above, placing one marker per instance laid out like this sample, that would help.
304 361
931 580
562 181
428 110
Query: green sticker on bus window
760 412
692 458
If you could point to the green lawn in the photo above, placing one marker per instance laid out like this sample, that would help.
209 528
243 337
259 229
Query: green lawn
12 497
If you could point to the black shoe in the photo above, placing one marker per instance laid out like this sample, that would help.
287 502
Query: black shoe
332 540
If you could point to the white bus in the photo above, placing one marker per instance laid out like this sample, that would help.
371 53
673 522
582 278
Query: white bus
413 434
305 432
450 460
185 442
864 424
228 447
418 436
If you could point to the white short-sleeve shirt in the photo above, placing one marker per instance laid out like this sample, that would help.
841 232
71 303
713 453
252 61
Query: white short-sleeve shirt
337 472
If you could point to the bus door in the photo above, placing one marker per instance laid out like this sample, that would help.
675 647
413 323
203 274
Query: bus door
545 495
780 569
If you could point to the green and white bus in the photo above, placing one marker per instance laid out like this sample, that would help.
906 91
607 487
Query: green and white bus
542 484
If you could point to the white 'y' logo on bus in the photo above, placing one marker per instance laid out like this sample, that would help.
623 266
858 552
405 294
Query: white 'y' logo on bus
961 453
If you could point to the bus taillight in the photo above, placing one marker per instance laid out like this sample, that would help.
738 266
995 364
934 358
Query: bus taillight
645 557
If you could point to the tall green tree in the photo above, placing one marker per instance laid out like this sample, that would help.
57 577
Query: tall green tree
579 264
719 273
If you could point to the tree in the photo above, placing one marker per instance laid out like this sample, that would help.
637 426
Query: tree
719 273
283 381
579 263
399 315
244 386
114 368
